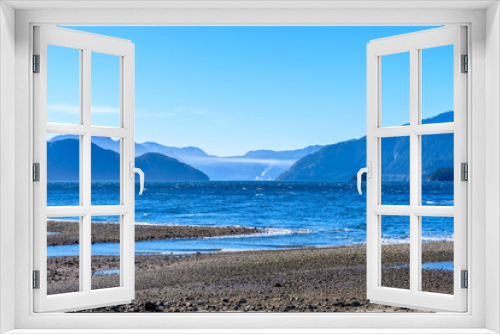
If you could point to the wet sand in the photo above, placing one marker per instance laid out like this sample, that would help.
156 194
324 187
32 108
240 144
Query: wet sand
301 280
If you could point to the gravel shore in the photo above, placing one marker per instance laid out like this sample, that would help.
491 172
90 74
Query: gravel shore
67 232
300 280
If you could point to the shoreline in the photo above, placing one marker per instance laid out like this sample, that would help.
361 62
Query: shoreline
298 280
66 232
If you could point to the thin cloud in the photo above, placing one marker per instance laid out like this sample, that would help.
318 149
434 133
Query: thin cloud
240 160
75 109
64 108
188 111
105 110
176 112
156 114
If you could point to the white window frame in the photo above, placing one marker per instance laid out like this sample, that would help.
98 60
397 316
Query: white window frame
414 43
86 44
483 124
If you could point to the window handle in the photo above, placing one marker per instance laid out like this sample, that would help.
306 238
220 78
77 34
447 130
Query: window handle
134 170
368 171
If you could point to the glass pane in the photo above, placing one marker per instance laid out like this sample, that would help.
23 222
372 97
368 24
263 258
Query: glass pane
437 170
395 89
63 170
395 233
395 170
437 84
105 171
63 85
63 255
105 252
437 254
105 105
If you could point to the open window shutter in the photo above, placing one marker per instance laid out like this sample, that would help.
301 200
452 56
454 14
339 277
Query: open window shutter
415 295
85 292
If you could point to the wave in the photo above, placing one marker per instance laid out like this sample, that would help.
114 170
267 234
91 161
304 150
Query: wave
393 241
440 202
266 232
158 224
438 239
64 220
406 240
344 230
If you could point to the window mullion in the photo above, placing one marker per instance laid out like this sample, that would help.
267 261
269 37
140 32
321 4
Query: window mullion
127 254
418 190
373 183
414 170
85 177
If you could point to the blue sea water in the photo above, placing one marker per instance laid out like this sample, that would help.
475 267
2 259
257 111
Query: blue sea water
293 214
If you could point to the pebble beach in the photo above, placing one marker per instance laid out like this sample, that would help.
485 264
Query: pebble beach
330 279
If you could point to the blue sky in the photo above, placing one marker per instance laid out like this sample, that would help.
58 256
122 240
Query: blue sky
229 90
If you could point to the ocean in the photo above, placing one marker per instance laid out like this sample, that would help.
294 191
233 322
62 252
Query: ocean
292 214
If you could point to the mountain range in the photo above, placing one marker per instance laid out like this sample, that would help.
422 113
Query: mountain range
336 162
339 162
254 165
261 165
63 164
147 147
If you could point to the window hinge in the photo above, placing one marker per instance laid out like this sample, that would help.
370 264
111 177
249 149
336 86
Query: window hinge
465 64
465 279
36 172
36 279
36 63
464 171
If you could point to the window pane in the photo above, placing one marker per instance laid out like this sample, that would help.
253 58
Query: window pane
395 170
395 89
106 87
105 171
105 252
63 255
437 84
437 170
395 239
63 170
63 85
437 254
